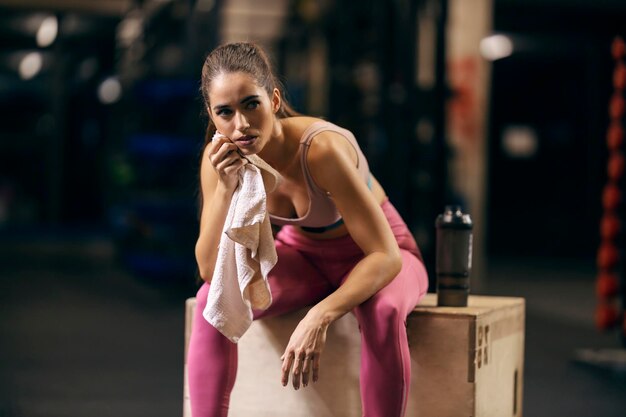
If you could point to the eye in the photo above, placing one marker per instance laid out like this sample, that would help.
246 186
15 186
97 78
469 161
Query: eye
224 112
251 105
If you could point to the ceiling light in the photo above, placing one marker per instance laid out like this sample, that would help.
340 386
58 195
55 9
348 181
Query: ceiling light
30 65
110 90
47 32
496 47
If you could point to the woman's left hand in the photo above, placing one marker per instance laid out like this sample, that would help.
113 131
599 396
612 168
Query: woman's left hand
302 356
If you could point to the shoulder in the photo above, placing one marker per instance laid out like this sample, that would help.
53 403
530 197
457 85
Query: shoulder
331 161
325 145
297 125
331 145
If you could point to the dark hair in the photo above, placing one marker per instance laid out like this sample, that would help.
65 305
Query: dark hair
241 57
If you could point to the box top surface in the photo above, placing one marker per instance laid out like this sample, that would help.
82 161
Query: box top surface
477 305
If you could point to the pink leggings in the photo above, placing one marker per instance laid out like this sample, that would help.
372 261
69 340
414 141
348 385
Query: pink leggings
307 271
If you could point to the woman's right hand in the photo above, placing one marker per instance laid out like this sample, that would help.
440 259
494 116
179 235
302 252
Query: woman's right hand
226 161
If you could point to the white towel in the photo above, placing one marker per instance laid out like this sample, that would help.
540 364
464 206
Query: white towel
246 254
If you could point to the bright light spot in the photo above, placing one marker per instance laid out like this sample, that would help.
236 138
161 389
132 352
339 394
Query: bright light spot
496 47
110 90
30 65
47 32
520 141
130 29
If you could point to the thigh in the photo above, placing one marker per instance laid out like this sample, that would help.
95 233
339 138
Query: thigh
294 282
403 293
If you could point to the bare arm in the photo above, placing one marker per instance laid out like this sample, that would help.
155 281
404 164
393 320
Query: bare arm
218 180
334 171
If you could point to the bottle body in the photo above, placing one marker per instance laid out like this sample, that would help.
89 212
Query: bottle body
453 257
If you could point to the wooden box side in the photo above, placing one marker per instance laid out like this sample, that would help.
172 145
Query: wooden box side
499 362
258 391
440 365
259 372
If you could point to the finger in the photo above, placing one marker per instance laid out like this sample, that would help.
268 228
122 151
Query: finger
225 159
217 142
297 371
224 150
234 168
234 163
316 368
220 148
306 369
287 362
218 135
218 157
226 170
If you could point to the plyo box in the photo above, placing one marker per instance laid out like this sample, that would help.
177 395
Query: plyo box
465 362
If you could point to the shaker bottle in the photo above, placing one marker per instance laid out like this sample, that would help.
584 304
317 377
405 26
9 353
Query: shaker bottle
453 257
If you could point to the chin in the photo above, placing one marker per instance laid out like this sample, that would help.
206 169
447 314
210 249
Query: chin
248 151
253 148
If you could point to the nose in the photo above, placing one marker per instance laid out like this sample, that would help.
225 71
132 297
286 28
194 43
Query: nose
241 123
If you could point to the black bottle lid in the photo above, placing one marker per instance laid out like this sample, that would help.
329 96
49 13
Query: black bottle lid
454 218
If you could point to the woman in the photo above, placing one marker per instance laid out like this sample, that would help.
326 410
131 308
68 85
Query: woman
342 248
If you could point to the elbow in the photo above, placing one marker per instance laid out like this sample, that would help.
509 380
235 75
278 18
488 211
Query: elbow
204 274
395 263
204 270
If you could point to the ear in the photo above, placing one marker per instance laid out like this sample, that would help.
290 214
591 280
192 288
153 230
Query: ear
276 100
210 114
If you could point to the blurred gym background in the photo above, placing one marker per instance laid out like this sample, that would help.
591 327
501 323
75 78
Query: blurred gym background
500 106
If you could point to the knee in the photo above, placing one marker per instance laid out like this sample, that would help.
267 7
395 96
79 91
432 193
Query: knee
386 309
380 316
380 331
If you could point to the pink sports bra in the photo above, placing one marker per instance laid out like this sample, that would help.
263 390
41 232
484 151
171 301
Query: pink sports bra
322 214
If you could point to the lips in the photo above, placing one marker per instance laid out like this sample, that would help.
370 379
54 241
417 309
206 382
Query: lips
246 140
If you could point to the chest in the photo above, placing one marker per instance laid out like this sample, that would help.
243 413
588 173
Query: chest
291 198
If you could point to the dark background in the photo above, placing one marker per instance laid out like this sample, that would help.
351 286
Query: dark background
98 201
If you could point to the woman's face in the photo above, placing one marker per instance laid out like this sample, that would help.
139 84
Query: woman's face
242 110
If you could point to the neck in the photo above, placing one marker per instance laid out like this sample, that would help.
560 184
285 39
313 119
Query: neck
278 152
